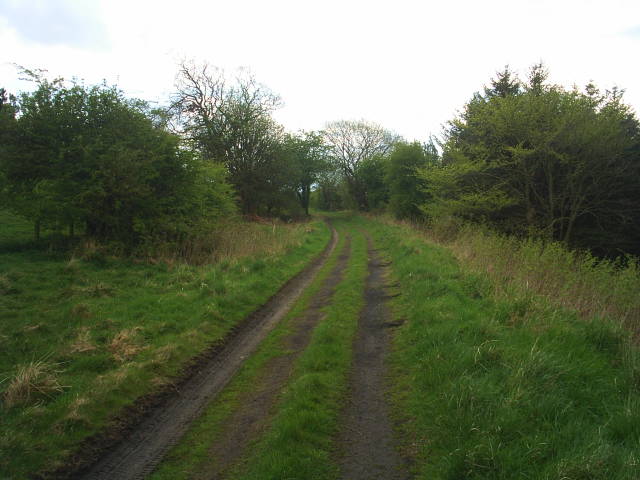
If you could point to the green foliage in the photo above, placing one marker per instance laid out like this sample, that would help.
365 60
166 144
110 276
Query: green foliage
330 194
231 123
8 110
90 156
349 144
406 189
307 158
536 159
371 174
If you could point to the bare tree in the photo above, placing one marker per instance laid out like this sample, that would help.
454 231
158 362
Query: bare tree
229 122
351 142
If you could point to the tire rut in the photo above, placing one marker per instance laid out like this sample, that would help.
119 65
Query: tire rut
256 408
366 442
137 455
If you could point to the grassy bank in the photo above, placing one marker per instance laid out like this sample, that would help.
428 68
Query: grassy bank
567 279
493 384
299 443
82 339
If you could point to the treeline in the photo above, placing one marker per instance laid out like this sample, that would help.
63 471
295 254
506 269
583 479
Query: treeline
527 158
88 159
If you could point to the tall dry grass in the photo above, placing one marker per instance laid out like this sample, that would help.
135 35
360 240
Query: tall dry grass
225 241
31 382
579 281
244 239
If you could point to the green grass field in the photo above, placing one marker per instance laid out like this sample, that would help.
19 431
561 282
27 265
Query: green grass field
486 380
82 339
483 385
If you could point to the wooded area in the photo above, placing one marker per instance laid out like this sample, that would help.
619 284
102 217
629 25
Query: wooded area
527 158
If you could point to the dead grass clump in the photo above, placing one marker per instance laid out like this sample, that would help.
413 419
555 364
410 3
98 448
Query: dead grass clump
81 310
99 290
114 378
73 265
74 409
251 239
32 382
5 285
164 354
82 342
125 345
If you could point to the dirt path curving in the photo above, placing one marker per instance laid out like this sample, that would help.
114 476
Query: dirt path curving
366 441
256 407
137 454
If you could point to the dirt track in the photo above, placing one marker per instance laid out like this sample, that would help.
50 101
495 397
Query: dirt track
137 454
256 408
366 442
365 445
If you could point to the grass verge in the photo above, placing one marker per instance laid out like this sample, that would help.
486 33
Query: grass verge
81 340
491 384
568 279
299 443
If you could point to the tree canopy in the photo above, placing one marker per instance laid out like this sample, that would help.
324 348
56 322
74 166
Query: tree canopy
525 157
541 160
91 156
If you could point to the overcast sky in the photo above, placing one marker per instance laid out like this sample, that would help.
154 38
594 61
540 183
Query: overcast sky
408 65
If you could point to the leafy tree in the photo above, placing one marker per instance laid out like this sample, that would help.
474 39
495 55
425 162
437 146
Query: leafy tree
90 155
371 173
504 85
307 156
8 110
544 161
231 123
352 142
330 193
406 189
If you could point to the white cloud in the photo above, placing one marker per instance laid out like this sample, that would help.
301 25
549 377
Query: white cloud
408 65
55 22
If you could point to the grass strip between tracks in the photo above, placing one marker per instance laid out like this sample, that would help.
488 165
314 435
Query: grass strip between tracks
192 454
505 387
300 441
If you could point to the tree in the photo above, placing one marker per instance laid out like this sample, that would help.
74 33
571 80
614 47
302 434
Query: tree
406 189
330 194
231 123
544 161
352 142
506 84
91 155
8 109
371 174
307 155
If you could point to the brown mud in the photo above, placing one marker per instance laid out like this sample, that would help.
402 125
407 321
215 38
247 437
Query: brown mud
366 443
138 439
